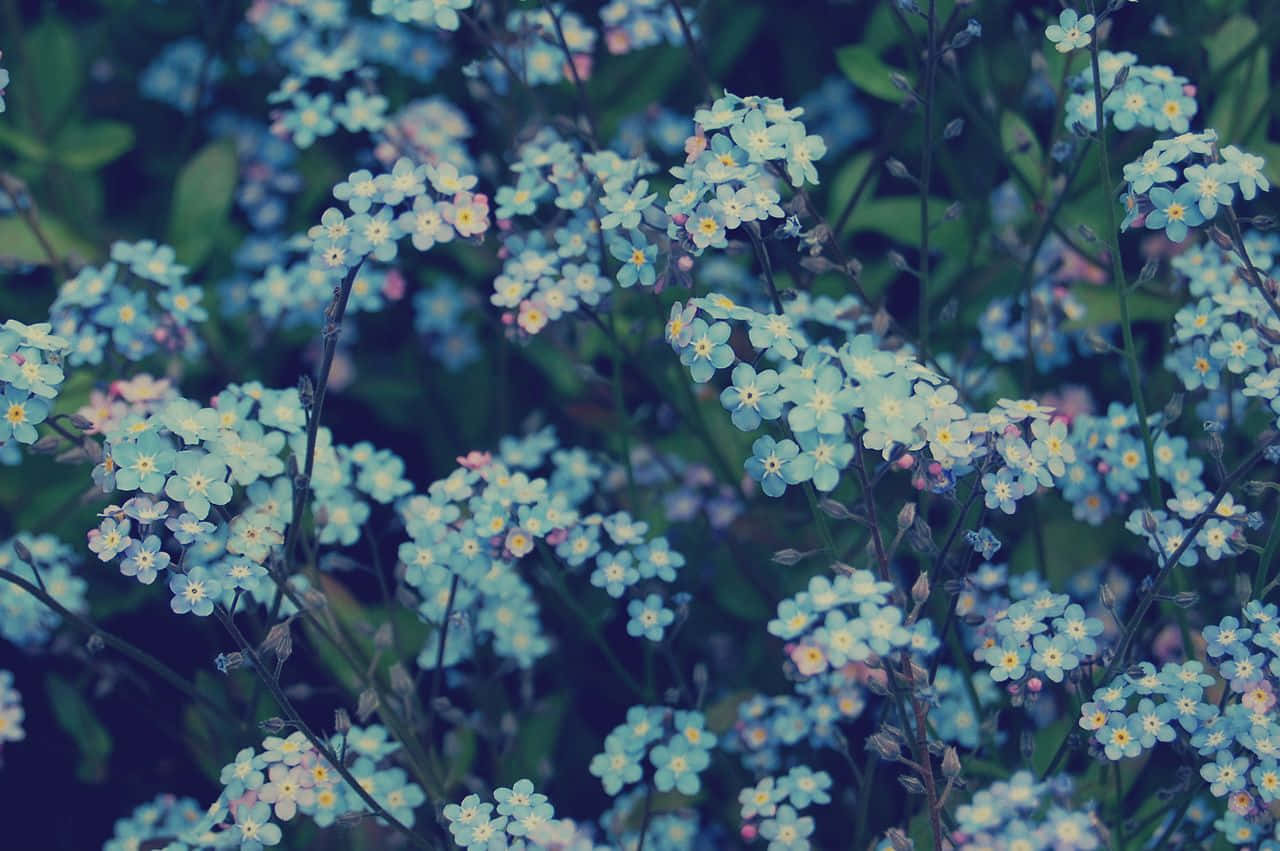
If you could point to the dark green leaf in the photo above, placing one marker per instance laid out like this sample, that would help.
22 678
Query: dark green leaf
22 144
94 145
868 72
17 240
53 76
202 201
76 717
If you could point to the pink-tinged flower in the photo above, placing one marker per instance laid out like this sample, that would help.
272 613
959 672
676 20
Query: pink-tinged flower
475 459
809 659
393 286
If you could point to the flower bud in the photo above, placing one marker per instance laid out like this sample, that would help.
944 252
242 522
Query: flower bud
899 840
911 783
383 637
401 682
920 589
951 764
906 515
279 641
366 705
341 721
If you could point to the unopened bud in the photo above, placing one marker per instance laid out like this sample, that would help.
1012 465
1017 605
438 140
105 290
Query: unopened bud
94 644
899 839
1173 408
1107 596
920 589
897 261
884 746
1087 233
366 705
401 682
897 168
46 445
1027 744
1244 588
953 129
81 422
787 557
23 552
1149 522
273 725
383 637
835 509
906 515
952 212
951 764
279 641
911 783
341 721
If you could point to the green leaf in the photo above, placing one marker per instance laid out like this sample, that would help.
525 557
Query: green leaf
898 218
1243 94
94 145
17 240
75 716
535 743
868 72
1103 307
1021 147
846 181
202 201
22 144
51 81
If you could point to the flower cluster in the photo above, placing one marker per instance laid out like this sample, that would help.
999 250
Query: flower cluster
11 713
1014 811
136 305
519 818
676 743
1053 307
770 809
30 376
175 76
1226 717
1227 335
169 819
470 529
636 24
24 620
1135 95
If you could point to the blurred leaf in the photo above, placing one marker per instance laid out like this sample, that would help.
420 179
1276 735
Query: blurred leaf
846 181
739 597
1103 307
460 747
90 146
868 72
53 76
732 37
76 717
200 736
898 218
1242 95
202 200
1021 146
22 144
17 240
535 744
723 713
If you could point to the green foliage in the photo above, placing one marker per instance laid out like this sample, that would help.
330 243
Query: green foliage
76 717
202 201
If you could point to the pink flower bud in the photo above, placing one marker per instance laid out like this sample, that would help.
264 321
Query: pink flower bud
685 263
1034 685
748 832
906 461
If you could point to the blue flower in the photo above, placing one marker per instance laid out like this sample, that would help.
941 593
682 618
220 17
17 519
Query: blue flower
708 350
767 464
1174 211
752 397
1070 32
648 618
